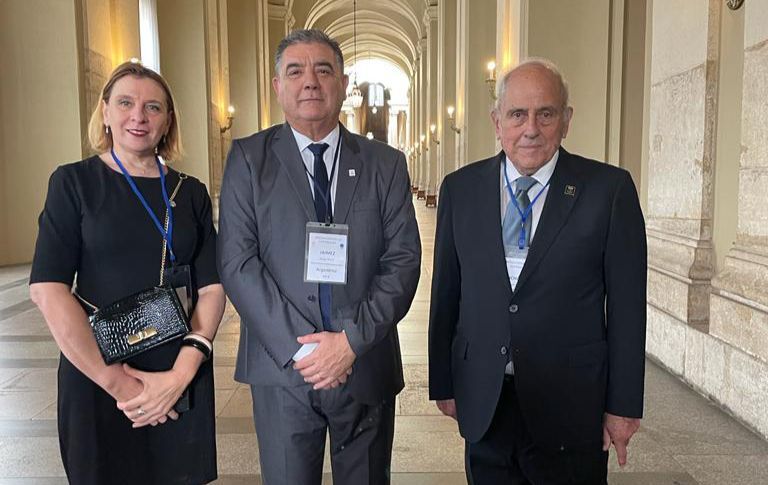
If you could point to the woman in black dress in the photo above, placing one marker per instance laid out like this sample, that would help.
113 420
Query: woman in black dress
116 423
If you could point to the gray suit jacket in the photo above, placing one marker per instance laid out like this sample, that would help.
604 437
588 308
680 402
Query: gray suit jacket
265 204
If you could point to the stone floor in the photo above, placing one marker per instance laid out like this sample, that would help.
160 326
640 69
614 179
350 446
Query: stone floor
684 439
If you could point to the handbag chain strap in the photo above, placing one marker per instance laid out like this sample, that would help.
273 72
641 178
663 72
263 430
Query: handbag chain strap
182 177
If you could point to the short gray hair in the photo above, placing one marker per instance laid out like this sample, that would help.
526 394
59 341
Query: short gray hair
308 36
501 86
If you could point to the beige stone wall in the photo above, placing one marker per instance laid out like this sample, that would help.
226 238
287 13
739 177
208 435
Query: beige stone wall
182 61
40 122
575 35
708 169
680 168
244 79
110 36
277 29
477 46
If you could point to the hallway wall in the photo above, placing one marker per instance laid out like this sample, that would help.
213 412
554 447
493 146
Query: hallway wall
575 35
183 64
40 126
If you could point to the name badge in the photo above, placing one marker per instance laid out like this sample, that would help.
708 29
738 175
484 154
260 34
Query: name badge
179 277
515 260
325 253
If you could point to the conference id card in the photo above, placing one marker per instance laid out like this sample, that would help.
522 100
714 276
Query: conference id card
515 261
325 254
179 277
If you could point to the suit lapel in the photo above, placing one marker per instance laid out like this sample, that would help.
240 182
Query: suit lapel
488 193
349 173
564 189
286 150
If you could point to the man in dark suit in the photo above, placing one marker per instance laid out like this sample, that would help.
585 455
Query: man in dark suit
537 322
305 205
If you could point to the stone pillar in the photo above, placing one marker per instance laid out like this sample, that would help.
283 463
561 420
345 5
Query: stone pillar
246 83
680 174
476 46
42 101
110 36
585 62
738 377
278 26
433 139
194 60
217 52
446 89
422 128
413 107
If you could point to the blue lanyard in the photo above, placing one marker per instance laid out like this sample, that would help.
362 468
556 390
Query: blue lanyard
325 194
167 236
523 215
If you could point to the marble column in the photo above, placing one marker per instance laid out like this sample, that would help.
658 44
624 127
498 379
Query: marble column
422 128
739 302
446 89
433 137
280 22
680 174
476 47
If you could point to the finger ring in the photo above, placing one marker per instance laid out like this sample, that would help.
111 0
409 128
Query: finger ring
141 412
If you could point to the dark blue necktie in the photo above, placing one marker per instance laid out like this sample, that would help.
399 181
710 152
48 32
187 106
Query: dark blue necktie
323 210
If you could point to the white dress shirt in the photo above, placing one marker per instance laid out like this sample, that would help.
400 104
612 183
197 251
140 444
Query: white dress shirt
332 139
542 177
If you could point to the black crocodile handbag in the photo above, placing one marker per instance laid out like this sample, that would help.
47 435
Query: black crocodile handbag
138 323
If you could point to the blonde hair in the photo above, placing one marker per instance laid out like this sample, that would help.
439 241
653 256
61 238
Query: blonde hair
170 145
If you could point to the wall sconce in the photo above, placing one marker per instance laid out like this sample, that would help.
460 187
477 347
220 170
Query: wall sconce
369 135
422 142
734 4
491 79
230 117
433 134
451 110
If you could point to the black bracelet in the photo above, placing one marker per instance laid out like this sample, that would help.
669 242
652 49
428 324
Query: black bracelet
190 342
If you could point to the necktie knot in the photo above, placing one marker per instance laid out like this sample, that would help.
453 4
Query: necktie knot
318 149
524 184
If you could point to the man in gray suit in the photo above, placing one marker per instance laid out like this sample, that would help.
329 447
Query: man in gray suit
319 252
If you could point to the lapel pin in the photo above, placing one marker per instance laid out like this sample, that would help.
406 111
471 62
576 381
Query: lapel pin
570 190
351 172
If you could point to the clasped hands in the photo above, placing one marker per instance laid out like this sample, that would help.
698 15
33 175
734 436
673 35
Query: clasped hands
330 363
154 404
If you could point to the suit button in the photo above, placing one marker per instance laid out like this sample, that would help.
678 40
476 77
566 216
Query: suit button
311 298
513 308
503 350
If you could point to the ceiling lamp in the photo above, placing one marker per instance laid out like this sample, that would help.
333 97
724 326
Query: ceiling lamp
355 96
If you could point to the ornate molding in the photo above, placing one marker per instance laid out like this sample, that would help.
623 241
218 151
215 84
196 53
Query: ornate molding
276 12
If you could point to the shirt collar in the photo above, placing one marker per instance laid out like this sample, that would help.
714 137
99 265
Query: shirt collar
304 141
542 175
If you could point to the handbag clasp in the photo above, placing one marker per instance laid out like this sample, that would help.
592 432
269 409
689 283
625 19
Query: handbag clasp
141 335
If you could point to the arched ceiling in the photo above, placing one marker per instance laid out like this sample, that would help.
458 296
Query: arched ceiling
388 29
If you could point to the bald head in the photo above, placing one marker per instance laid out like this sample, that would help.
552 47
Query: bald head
543 66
